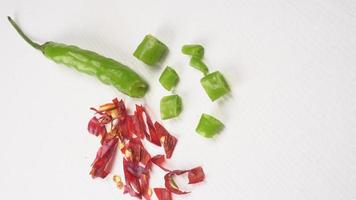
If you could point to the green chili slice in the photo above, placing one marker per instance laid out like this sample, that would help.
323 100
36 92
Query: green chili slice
150 50
170 106
169 78
215 85
198 64
195 50
209 126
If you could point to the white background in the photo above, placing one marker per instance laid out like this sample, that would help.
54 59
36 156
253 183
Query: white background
290 119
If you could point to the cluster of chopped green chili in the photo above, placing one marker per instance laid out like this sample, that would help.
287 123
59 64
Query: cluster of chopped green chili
171 105
151 51
214 85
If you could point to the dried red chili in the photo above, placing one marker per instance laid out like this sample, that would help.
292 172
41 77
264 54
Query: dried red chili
168 140
170 183
159 160
118 128
102 164
196 175
96 128
163 194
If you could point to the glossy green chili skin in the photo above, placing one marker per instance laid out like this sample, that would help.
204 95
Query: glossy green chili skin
209 126
107 70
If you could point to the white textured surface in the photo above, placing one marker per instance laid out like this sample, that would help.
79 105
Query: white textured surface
290 121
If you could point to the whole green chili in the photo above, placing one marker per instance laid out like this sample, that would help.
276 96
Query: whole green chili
107 70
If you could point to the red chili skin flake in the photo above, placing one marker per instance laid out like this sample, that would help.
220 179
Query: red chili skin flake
163 194
96 128
196 175
159 160
102 164
132 183
169 141
153 137
170 184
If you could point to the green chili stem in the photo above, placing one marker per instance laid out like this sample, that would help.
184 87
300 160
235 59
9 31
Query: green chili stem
23 35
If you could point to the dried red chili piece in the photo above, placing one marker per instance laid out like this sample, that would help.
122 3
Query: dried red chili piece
138 129
169 144
144 180
130 127
138 152
153 136
170 183
163 194
96 128
131 191
136 170
120 108
132 183
159 160
196 175
168 140
102 164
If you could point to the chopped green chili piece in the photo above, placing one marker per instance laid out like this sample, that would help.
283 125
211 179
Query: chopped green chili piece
198 64
169 78
209 126
150 50
215 85
171 106
195 50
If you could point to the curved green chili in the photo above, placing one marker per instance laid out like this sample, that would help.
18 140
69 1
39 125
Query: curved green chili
107 70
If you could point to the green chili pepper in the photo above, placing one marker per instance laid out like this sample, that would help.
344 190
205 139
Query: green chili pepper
169 78
195 50
170 106
198 64
150 50
107 70
215 85
209 126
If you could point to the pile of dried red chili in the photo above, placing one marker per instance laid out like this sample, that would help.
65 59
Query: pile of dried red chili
117 128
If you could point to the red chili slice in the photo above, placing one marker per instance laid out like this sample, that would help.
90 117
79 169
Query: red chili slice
138 129
159 160
128 189
145 181
171 185
153 137
196 175
102 164
121 109
138 152
96 128
169 141
132 183
163 194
